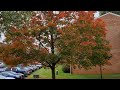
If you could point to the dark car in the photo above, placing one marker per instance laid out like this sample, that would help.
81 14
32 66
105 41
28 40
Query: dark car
19 70
7 69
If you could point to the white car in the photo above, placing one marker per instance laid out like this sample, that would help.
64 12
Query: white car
39 65
2 69
9 78
2 64
3 77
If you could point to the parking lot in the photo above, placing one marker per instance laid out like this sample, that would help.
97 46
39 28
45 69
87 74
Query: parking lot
18 72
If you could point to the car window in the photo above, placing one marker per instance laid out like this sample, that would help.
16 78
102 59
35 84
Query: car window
4 74
8 69
18 68
13 69
12 72
8 73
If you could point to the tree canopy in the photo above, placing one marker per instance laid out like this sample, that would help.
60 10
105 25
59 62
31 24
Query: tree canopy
84 42
53 37
13 18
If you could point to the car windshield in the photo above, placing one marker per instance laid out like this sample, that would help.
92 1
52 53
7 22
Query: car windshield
6 73
2 76
18 68
25 68
2 68
9 72
12 72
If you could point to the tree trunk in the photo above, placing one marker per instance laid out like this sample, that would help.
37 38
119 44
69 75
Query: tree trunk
53 71
52 45
101 71
52 51
70 69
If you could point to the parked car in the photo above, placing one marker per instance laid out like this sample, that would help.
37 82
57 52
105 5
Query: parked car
31 68
2 65
19 70
9 78
39 65
26 69
7 69
8 74
19 74
10 70
20 65
2 69
3 77
34 67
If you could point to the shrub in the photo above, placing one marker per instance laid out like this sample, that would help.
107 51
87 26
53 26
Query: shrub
66 68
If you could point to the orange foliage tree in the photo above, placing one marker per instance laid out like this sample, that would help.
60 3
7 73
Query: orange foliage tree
84 42
52 37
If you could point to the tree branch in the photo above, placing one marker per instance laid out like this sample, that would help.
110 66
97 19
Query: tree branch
45 65
40 43
48 64
57 61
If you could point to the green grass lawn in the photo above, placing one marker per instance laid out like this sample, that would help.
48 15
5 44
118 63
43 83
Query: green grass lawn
46 74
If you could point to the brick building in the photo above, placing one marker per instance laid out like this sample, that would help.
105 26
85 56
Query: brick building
113 24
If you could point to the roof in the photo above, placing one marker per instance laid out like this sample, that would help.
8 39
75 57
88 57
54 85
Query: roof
109 13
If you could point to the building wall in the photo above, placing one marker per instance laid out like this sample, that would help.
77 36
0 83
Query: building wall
113 35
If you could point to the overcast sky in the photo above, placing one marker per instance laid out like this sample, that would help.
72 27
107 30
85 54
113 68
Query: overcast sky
2 36
97 14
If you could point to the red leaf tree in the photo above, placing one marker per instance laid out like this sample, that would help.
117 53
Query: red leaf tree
84 42
52 37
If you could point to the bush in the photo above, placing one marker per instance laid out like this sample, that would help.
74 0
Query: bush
66 68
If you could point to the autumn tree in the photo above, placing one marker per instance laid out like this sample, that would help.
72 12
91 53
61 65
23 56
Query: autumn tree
84 42
18 48
53 37
39 37
47 27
